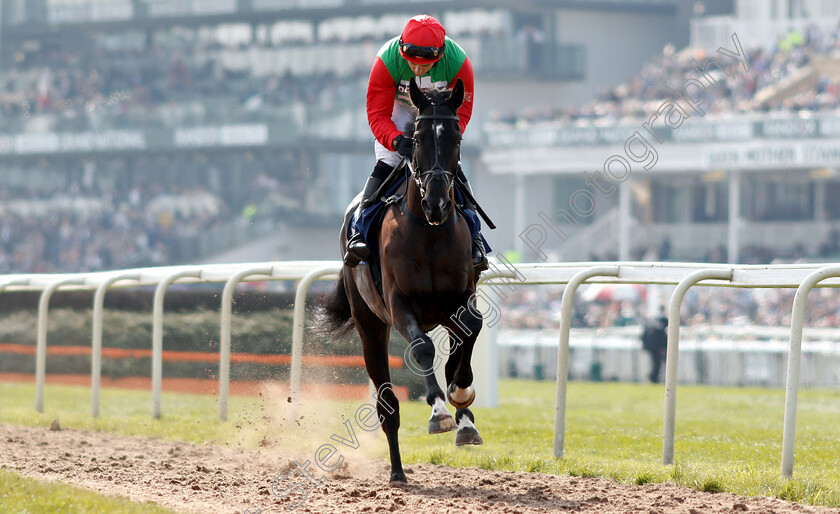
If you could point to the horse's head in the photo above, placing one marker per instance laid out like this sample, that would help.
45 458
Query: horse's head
437 148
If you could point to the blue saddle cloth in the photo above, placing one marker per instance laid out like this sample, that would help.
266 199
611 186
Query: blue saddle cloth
370 219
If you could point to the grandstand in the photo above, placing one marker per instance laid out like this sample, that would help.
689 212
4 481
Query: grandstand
136 132
245 119
748 175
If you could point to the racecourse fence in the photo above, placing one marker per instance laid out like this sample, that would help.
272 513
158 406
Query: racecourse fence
500 279
726 356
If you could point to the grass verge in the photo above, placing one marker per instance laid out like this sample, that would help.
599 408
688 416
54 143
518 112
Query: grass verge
727 439
20 495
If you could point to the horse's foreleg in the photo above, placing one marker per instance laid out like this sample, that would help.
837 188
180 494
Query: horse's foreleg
423 352
464 418
459 397
464 327
441 420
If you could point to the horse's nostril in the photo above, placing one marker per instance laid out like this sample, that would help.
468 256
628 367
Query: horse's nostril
425 205
447 206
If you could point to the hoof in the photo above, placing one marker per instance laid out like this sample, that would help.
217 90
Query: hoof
398 479
467 435
441 423
456 396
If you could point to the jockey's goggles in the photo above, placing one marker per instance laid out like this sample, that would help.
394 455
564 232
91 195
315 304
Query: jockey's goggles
423 52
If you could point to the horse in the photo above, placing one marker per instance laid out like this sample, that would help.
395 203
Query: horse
427 280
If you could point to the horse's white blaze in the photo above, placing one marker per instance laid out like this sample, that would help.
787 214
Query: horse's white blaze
462 395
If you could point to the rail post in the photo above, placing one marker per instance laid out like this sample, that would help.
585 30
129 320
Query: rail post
41 351
298 325
157 334
485 357
671 357
96 337
224 336
794 359
563 350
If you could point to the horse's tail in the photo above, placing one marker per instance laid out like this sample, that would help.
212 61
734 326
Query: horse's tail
333 317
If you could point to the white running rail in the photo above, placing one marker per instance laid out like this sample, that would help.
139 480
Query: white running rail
804 277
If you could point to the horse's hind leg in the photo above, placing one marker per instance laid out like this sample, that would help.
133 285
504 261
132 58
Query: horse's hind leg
467 433
375 350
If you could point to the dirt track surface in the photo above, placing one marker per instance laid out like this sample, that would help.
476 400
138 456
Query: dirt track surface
208 478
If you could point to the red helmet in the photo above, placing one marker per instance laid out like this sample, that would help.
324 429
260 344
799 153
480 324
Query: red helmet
423 40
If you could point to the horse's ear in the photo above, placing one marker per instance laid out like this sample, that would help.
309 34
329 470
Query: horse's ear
456 97
418 98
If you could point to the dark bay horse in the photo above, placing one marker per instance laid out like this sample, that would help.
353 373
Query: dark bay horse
424 251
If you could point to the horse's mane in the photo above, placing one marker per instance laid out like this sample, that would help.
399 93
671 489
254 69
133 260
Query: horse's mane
408 129
438 96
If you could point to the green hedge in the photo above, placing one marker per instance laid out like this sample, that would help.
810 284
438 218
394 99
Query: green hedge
261 332
191 298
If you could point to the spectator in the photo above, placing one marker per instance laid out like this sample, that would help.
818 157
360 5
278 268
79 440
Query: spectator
655 343
660 79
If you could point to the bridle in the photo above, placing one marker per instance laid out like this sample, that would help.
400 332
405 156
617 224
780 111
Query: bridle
436 172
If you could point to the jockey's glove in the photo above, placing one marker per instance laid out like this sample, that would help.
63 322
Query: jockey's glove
404 145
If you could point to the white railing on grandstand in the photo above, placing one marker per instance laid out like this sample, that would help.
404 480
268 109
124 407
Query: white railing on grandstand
502 278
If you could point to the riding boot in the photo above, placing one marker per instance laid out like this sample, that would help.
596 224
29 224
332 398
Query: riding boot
479 256
357 249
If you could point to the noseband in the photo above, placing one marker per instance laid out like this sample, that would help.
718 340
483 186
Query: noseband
436 172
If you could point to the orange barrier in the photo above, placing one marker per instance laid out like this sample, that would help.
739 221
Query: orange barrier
339 361
211 386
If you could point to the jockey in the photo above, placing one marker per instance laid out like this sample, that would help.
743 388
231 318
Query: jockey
424 54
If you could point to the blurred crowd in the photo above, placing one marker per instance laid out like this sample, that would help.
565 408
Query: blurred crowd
94 228
171 83
827 249
733 90
538 307
171 79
